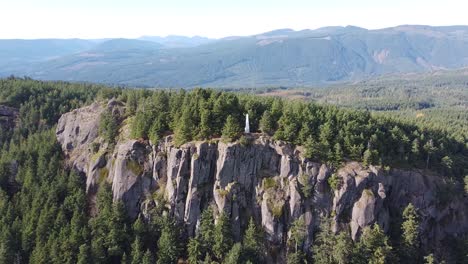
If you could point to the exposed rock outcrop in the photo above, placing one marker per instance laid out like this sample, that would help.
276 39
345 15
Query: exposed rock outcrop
267 180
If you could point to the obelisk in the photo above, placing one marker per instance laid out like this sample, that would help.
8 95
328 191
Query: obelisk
247 126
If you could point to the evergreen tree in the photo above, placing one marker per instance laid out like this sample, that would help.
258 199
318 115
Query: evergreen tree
430 150
369 158
415 148
139 228
125 259
84 256
267 124
338 154
447 162
183 132
118 234
137 251
6 254
410 226
157 129
108 126
231 129
167 244
324 243
234 255
253 243
289 124
222 237
373 247
206 231
194 250
297 257
355 152
147 258
298 233
206 126
208 260
343 248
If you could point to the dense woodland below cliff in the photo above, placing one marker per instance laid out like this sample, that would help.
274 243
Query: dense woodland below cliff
44 210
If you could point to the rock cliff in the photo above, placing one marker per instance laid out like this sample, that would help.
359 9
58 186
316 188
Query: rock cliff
265 179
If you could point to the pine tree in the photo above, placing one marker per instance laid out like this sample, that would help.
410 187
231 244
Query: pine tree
157 129
373 247
430 149
415 148
148 258
206 127
6 255
267 124
298 233
183 132
253 243
410 226
342 249
367 158
206 231
208 260
447 162
140 125
222 237
125 259
167 244
118 234
234 255
311 149
370 157
108 126
231 129
194 250
137 251
324 243
297 257
338 154
139 228
84 256
355 152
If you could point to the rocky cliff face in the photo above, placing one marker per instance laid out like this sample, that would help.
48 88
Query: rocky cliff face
267 180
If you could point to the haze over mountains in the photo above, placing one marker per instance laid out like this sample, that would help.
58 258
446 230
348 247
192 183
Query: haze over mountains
277 58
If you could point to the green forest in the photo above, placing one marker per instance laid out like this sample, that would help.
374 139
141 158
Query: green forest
435 100
44 210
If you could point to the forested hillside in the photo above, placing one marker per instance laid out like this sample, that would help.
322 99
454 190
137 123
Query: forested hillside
278 58
437 100
49 215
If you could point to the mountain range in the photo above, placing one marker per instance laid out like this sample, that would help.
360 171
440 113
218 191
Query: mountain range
278 58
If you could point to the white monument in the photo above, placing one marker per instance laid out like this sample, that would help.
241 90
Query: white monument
247 126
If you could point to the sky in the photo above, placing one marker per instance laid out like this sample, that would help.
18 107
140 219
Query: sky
30 19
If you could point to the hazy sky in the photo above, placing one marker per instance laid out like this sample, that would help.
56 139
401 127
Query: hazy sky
213 18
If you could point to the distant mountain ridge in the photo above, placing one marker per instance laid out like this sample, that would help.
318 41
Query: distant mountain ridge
282 57
173 41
